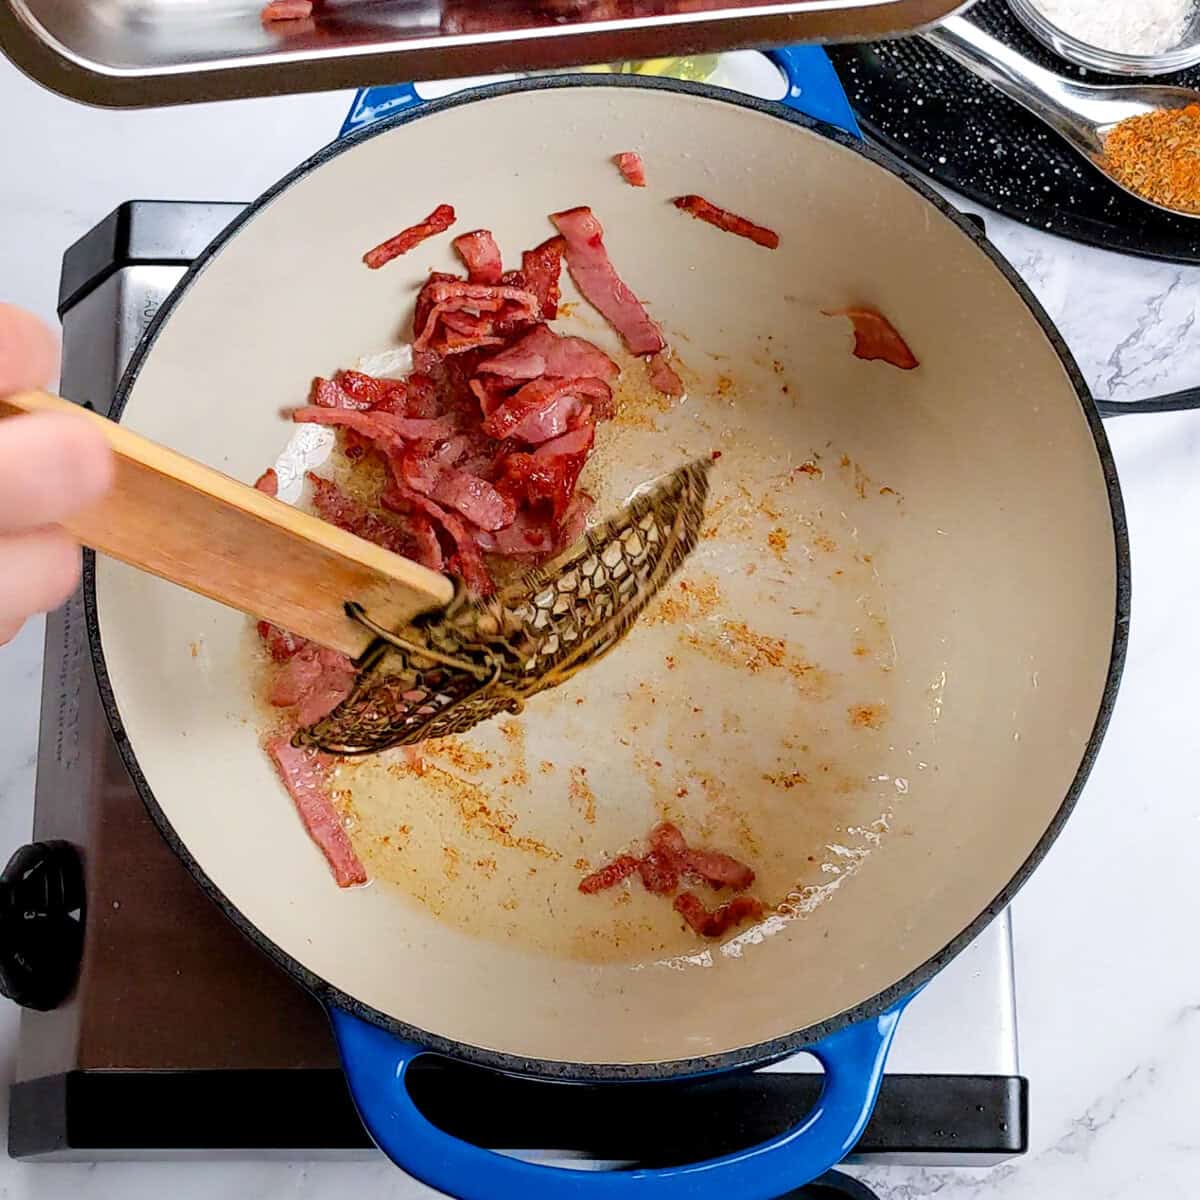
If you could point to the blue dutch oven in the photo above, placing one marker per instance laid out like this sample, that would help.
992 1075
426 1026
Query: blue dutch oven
1004 659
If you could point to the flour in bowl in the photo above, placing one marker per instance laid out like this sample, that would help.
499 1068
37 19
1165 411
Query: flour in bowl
1140 27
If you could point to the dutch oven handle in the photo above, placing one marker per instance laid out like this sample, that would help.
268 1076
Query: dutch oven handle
376 1064
813 88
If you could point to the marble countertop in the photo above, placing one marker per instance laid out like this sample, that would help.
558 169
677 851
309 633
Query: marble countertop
1108 978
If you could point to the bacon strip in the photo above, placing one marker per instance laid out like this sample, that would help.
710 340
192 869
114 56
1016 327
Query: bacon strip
334 506
718 922
515 417
663 377
383 427
876 337
305 774
609 875
280 644
597 279
466 561
268 482
540 271
480 255
632 168
668 860
729 222
543 352
495 309
472 496
354 389
438 221
314 682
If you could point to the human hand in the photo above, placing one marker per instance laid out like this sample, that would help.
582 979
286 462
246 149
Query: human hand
51 465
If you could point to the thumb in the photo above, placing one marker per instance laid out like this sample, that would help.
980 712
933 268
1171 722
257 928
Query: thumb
28 351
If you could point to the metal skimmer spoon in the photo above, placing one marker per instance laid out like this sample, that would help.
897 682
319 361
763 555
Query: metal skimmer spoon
1082 113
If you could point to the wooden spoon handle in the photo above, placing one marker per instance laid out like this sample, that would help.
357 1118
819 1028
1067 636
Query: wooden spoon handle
175 518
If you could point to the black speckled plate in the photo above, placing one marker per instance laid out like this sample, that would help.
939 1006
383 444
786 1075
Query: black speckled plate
941 120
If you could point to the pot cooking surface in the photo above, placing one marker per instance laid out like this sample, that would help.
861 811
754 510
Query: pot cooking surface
874 680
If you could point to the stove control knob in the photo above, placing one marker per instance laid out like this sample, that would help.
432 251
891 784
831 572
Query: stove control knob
41 924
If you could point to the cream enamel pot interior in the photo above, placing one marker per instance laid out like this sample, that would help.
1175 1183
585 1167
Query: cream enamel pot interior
883 683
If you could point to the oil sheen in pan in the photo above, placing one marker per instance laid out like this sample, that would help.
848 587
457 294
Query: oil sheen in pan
752 704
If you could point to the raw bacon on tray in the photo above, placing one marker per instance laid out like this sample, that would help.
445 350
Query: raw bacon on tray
437 222
704 210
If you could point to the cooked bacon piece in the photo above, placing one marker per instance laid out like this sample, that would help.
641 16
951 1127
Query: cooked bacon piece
609 875
669 858
305 774
438 221
331 686
424 306
541 268
597 279
475 498
729 222
667 840
544 352
358 390
525 414
328 393
286 10
631 167
659 872
491 393
481 256
876 337
718 870
280 644
718 922
663 377
314 682
550 473
293 682
489 313
384 428
334 506
465 561
268 482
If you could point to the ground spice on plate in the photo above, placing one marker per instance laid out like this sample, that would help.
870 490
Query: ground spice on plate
1157 155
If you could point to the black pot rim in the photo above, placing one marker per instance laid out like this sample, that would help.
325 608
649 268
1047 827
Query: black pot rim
741 1057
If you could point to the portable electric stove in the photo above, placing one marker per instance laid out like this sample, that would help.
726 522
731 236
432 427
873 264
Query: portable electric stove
162 1030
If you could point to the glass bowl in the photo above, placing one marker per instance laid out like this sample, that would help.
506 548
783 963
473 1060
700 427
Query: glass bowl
1095 58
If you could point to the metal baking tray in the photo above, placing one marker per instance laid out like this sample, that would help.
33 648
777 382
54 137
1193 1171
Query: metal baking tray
137 53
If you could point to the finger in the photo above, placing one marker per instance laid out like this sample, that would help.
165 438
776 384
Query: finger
9 630
51 466
28 351
38 571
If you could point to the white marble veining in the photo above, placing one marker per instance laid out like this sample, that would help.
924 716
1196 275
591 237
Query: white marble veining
1108 973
